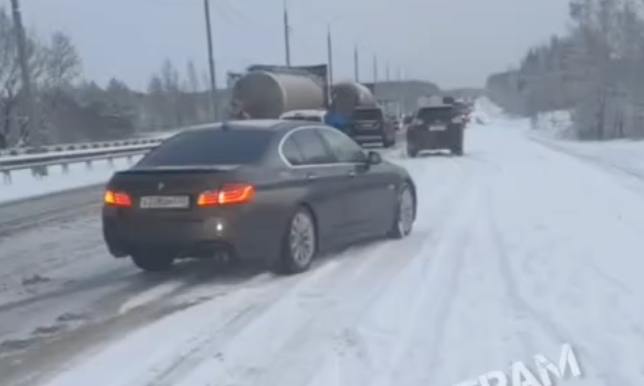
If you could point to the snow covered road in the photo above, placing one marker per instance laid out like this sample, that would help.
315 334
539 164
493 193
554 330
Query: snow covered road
519 248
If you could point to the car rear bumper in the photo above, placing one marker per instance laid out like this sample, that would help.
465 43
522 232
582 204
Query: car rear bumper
243 235
378 135
430 140
367 138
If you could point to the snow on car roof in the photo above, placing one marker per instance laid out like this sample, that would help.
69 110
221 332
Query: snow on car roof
439 106
304 113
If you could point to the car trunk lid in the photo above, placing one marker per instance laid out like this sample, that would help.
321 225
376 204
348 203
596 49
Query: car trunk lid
171 187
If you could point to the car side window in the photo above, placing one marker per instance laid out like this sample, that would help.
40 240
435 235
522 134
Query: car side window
292 152
313 150
344 149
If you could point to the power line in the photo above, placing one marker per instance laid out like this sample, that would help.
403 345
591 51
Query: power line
375 68
330 54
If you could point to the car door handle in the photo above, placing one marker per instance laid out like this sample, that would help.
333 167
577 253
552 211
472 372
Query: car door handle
352 174
311 176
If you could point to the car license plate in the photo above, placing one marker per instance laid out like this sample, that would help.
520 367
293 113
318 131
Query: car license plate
165 202
437 128
369 126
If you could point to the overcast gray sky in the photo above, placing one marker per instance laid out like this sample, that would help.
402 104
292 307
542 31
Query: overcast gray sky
451 42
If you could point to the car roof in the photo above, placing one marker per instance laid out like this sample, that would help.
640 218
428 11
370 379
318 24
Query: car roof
441 106
299 113
273 125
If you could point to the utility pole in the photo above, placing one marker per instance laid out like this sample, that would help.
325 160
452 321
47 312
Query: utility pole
375 69
211 63
356 64
31 128
388 78
287 36
329 45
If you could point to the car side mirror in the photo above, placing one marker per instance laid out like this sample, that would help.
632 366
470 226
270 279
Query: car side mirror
374 158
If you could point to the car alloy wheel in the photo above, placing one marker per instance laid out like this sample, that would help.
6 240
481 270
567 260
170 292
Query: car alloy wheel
301 240
406 209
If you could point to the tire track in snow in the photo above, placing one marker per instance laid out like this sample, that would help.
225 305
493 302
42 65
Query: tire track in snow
180 333
112 312
438 273
556 332
386 334
214 346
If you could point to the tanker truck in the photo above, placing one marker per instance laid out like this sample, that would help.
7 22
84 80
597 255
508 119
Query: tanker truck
346 97
355 110
266 92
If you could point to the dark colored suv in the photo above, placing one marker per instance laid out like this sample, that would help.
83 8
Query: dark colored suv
370 125
435 128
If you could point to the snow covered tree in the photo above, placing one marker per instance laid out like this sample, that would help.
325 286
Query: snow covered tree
595 71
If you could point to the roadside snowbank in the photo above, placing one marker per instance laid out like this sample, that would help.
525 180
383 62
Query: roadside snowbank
554 129
485 111
623 155
555 124
24 185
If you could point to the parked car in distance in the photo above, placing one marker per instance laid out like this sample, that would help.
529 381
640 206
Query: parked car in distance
275 192
434 128
305 115
370 125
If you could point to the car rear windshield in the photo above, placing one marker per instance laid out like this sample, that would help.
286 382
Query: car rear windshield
368 114
210 147
441 114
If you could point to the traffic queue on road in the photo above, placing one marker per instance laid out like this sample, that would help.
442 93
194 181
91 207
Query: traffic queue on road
280 183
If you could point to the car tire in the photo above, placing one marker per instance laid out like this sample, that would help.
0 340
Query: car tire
153 262
405 213
457 149
299 244
387 143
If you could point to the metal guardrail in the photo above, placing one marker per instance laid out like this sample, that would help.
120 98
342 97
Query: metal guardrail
39 164
60 148
67 156
38 160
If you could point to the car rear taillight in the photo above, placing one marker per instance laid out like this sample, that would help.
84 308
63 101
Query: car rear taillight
417 122
209 198
118 199
236 194
229 194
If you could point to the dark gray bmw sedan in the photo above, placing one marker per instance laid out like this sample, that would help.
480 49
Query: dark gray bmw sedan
278 192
